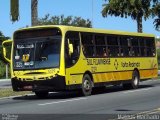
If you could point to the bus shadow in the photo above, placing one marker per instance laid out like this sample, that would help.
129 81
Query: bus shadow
76 94
117 89
52 95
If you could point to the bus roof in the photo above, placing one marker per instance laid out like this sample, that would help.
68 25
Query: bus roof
93 30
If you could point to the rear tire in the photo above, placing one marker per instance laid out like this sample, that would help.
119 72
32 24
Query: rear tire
86 85
41 94
134 82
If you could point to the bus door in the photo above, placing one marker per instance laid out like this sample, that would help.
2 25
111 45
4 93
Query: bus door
72 53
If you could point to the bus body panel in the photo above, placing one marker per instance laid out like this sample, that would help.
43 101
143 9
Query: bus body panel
103 69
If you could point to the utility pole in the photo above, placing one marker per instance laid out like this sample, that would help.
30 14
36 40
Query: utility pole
92 11
6 71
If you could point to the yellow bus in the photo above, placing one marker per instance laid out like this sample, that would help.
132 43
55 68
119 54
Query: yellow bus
60 58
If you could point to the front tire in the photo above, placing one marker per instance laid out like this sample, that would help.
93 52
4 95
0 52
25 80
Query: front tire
86 85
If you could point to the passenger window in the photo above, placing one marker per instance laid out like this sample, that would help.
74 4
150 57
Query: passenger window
99 39
150 46
143 49
113 46
125 46
135 45
100 45
88 44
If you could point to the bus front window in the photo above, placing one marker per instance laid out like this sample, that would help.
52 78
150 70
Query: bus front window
37 53
47 54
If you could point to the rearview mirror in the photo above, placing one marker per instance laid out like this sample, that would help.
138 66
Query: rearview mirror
4 51
5 44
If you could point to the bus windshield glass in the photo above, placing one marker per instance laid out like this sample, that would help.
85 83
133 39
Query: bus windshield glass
36 51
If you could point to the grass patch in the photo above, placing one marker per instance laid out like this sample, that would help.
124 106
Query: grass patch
158 77
6 92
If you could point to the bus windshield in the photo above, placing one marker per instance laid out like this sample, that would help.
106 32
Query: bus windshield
37 53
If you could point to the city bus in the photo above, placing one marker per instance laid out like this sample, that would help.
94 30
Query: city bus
60 58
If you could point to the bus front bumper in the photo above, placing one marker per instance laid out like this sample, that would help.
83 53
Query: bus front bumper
54 84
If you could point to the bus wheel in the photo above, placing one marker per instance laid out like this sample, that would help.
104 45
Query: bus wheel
41 94
135 80
86 85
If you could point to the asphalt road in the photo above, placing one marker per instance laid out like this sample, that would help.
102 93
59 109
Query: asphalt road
112 103
5 83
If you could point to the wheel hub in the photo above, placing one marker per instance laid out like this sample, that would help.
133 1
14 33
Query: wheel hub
86 85
135 80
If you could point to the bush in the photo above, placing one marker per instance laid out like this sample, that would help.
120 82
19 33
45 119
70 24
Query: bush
158 57
2 69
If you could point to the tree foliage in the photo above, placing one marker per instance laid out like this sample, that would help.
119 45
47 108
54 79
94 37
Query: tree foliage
61 20
156 13
136 9
2 60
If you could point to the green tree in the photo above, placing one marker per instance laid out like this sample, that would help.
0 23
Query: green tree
61 20
2 60
136 9
156 13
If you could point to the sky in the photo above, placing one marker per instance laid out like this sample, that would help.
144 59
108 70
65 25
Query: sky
82 8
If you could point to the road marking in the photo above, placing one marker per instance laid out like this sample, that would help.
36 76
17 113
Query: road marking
150 111
62 101
138 90
155 112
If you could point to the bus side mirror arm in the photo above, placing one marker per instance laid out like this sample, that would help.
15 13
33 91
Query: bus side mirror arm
5 51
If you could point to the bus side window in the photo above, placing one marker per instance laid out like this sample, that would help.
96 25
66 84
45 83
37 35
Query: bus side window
71 56
113 46
135 46
150 46
100 45
88 45
142 47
